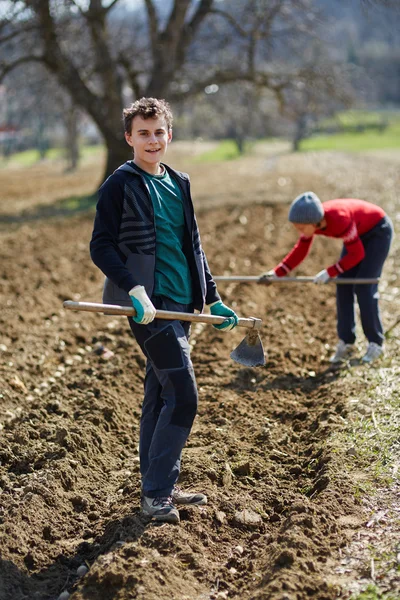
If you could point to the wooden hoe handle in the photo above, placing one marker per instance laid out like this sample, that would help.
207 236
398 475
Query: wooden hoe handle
115 309
255 279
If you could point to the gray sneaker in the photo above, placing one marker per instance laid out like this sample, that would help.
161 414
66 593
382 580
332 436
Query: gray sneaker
160 509
188 498
342 352
373 352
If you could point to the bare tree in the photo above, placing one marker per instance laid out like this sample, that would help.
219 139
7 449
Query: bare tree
74 40
104 56
318 89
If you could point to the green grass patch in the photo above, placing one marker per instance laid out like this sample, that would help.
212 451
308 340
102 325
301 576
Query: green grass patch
75 204
89 151
356 118
354 142
28 158
226 150
373 431
373 593
347 138
60 208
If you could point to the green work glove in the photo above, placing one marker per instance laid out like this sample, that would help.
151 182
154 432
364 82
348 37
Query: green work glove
145 310
218 308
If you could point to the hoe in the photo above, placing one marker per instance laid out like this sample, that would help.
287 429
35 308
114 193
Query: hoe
255 279
249 353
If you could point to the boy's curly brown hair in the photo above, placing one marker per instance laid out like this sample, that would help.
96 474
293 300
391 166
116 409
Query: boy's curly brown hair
147 108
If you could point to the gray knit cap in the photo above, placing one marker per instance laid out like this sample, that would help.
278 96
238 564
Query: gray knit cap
306 209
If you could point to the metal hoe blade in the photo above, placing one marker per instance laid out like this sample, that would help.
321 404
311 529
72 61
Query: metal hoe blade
250 351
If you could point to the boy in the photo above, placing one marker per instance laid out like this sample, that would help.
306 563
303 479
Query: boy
366 233
146 242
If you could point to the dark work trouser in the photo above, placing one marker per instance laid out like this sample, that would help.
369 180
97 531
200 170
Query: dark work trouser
170 398
376 244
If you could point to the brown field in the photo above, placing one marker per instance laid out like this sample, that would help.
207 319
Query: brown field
282 508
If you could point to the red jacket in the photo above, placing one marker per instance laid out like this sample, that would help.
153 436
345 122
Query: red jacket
347 219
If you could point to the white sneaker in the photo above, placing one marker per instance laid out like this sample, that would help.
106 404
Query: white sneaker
373 352
160 509
343 351
188 498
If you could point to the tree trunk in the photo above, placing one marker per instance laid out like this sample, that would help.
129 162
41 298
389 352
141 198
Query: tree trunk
118 152
300 133
159 83
72 139
42 143
239 141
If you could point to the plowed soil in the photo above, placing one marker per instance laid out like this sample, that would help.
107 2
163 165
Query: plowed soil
280 505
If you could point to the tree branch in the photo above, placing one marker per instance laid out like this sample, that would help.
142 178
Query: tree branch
12 18
202 11
111 5
7 68
132 74
230 19
173 35
272 14
104 63
13 34
153 25
63 68
189 30
78 7
260 79
391 4
176 19
166 46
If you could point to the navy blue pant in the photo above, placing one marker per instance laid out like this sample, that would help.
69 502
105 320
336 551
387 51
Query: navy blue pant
170 398
376 244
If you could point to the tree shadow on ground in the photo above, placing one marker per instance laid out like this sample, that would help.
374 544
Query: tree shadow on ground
65 207
16 584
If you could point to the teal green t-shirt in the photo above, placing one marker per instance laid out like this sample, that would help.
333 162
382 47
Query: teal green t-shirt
172 274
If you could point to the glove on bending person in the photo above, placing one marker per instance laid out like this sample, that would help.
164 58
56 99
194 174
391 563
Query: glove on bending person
218 308
321 277
267 277
145 310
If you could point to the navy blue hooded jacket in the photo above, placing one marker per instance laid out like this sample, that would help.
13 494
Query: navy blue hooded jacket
123 243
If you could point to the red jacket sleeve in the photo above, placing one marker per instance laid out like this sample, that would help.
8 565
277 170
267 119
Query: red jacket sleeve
355 252
295 256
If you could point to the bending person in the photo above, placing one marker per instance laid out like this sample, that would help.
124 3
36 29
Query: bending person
367 233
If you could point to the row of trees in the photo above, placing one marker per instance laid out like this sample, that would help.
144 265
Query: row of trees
244 56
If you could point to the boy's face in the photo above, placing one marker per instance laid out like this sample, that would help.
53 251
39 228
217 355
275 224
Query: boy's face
306 229
149 139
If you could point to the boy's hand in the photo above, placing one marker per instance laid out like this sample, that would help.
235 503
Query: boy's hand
218 308
321 277
145 310
268 277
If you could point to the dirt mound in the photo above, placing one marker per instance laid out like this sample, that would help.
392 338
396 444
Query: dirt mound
278 506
